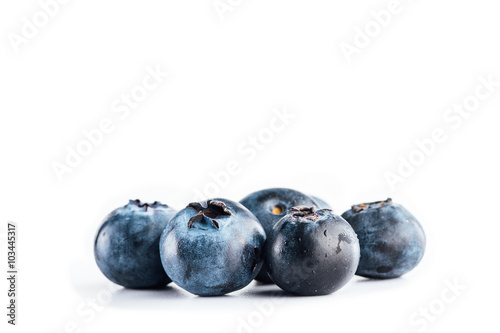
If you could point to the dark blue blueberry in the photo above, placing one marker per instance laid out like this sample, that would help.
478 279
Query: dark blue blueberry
269 206
321 203
213 248
311 252
126 245
392 241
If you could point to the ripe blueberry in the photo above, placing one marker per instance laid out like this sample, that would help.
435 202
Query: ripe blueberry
126 245
321 203
392 241
213 248
269 206
311 252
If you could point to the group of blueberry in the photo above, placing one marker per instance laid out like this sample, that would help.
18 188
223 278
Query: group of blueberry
275 235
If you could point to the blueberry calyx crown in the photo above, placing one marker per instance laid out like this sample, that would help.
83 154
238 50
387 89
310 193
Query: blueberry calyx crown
306 212
206 217
137 203
363 206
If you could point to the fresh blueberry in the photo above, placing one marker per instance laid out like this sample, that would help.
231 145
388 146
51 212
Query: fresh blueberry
269 206
311 252
321 203
392 241
213 248
126 245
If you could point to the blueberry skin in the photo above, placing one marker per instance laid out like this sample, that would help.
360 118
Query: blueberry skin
261 204
213 248
311 252
392 240
321 203
126 245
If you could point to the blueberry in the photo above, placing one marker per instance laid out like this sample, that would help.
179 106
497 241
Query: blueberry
126 245
213 248
269 206
311 252
321 203
392 241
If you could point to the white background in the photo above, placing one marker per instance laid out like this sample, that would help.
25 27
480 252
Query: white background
353 122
